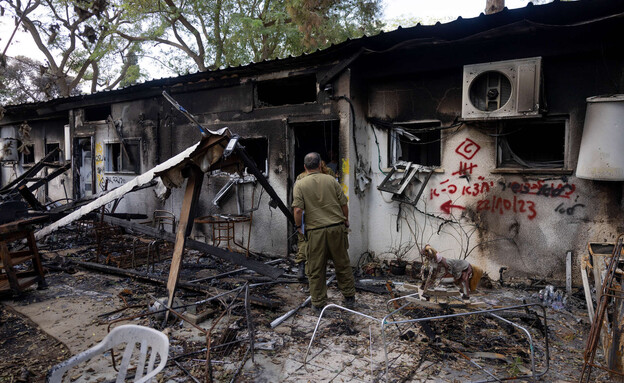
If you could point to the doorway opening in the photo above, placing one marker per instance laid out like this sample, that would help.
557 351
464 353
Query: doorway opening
318 136
84 184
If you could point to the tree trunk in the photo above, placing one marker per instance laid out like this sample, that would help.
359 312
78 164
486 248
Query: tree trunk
494 6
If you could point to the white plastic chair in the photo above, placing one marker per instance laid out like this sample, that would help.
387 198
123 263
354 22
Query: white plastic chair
131 335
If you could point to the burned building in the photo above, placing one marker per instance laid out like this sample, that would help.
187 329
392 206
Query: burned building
465 135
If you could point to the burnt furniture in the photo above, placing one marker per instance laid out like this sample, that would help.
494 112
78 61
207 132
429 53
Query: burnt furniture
12 279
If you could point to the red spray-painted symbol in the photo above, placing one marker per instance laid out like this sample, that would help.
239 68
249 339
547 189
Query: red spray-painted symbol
467 149
448 205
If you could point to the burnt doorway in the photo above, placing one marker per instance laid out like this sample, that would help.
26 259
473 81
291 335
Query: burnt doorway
317 136
84 178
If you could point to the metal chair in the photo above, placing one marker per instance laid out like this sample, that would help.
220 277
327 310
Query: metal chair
148 338
163 217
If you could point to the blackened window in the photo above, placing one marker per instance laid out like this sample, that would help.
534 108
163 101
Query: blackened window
287 91
50 147
532 144
121 159
97 113
416 142
28 155
258 150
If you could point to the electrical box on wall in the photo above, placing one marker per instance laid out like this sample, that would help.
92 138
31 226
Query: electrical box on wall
503 89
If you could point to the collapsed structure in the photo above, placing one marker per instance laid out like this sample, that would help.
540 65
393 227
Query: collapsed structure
479 136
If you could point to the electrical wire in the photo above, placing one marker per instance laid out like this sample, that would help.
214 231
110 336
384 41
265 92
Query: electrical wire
378 151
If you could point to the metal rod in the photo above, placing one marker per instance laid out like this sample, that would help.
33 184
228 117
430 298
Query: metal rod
475 363
292 312
185 112
231 272
185 371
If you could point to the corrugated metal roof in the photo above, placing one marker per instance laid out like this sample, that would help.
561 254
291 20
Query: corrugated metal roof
557 13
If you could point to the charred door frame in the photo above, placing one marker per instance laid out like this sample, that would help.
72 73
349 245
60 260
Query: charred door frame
290 126
76 155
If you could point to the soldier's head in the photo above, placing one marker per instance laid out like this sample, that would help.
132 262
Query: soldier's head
312 161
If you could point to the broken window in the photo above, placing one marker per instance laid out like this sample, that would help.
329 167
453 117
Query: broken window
51 146
123 158
415 142
28 155
404 183
258 150
287 91
531 144
97 113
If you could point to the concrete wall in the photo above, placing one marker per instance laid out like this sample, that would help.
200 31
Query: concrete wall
43 132
497 218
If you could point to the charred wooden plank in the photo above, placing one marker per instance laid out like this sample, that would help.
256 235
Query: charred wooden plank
230 256
260 301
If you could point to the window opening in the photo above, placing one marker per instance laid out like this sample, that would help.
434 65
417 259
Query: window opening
532 144
287 91
258 150
28 154
415 142
97 113
51 146
118 160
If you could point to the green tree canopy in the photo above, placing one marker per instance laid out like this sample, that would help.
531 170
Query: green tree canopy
98 44
209 34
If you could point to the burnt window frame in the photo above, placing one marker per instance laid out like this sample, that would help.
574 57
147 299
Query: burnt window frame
426 126
506 130
264 167
48 149
127 141
31 147
260 101
93 113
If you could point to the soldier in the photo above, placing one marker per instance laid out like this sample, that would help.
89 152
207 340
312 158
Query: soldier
326 223
302 245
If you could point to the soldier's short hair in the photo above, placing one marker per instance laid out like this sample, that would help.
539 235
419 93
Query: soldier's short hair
312 161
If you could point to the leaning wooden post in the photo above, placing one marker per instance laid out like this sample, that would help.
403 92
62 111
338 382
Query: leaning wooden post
185 225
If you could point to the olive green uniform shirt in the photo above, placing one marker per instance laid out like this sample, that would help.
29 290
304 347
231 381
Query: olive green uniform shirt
321 196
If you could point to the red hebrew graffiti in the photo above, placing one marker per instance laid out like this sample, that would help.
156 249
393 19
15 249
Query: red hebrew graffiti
464 168
503 205
473 190
467 149
448 205
541 189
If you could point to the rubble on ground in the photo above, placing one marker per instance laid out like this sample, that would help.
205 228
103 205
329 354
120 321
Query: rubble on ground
80 305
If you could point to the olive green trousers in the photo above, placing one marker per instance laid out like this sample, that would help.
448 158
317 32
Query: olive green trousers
302 249
325 244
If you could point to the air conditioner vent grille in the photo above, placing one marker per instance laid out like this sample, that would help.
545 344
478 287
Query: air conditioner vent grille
504 89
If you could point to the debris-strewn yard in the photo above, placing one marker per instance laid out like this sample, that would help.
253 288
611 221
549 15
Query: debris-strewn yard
42 327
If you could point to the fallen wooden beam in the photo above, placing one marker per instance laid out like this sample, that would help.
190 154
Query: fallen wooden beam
260 301
19 181
57 172
28 196
230 256
119 192
587 290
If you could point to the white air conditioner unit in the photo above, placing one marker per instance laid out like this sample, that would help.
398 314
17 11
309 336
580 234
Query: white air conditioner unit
503 89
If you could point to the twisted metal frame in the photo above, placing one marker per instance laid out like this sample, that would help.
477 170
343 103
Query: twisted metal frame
385 322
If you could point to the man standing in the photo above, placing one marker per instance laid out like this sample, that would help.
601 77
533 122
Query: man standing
302 245
326 223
